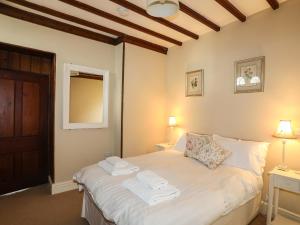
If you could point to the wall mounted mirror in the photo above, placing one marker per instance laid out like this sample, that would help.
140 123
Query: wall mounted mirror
85 95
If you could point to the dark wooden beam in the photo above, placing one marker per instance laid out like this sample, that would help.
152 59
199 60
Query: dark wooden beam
65 16
87 76
192 13
274 4
122 98
232 9
54 24
142 43
165 22
121 36
117 19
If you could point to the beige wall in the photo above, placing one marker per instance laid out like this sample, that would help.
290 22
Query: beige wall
86 100
144 100
273 34
74 149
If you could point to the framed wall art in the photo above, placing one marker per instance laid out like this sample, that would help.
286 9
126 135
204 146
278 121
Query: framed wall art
194 85
249 75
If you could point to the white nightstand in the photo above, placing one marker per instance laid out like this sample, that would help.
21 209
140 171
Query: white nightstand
278 179
163 146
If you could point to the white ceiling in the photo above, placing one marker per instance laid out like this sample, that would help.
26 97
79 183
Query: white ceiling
208 8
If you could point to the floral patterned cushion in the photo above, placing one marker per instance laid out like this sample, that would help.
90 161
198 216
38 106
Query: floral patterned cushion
194 142
212 155
203 149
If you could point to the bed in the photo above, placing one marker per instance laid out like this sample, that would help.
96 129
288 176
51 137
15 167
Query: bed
242 215
226 195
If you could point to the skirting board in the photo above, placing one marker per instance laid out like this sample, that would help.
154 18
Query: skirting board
281 211
60 187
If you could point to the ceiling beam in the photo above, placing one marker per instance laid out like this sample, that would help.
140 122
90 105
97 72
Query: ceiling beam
54 24
192 13
274 4
119 20
65 16
162 21
87 76
143 44
232 9
121 36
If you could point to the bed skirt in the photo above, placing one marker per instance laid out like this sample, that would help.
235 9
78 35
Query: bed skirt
239 216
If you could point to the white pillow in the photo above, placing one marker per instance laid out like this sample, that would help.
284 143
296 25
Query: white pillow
181 143
248 155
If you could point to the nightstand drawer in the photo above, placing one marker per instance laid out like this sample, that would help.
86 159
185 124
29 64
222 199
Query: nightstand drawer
288 184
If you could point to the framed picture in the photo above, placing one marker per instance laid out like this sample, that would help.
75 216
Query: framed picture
249 75
194 83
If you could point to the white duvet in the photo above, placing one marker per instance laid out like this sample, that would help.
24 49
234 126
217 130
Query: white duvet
205 194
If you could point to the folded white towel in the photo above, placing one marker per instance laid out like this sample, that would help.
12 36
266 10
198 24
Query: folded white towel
150 196
117 162
151 179
117 172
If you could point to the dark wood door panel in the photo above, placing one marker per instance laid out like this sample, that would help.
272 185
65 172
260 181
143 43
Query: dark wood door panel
45 66
3 59
25 149
7 97
14 60
26 117
31 165
21 75
25 62
30 109
18 108
6 168
35 64
20 144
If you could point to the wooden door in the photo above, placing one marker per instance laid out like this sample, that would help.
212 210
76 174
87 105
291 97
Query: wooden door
25 114
23 130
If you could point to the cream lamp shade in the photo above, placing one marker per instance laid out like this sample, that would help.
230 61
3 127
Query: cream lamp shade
285 130
172 121
162 8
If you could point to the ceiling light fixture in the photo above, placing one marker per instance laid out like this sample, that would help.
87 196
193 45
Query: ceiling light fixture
162 8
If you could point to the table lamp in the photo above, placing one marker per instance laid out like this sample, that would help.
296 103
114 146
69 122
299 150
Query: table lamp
284 131
171 123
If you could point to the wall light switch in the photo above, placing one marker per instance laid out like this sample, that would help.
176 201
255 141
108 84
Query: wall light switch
297 131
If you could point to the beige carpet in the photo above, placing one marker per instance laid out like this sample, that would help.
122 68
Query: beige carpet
37 207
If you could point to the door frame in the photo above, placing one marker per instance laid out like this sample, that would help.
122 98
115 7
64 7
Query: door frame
51 97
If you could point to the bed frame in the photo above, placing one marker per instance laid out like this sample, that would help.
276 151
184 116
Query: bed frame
239 216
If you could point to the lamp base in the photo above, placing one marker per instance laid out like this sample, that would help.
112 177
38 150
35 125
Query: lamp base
282 167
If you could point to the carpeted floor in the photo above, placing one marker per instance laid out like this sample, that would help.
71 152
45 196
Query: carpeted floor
37 207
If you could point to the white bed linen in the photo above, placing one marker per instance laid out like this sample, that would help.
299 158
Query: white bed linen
205 194
149 195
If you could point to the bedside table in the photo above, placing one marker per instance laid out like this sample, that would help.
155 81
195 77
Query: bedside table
163 146
278 179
